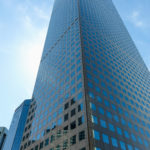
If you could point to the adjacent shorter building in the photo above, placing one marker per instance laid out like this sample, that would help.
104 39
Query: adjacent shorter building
17 127
3 135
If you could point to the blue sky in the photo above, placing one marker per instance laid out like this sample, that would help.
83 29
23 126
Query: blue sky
23 27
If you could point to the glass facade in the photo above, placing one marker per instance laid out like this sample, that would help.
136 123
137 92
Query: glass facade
3 135
92 83
16 130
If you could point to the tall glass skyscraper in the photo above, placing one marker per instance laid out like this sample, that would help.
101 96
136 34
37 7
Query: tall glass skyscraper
17 126
3 135
93 89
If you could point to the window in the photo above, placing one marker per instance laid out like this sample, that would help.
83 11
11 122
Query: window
126 134
66 128
99 99
83 148
103 123
93 107
79 85
59 121
122 144
129 125
146 143
46 141
94 119
116 118
58 147
65 144
52 138
66 106
73 125
111 127
109 115
105 138
80 120
106 103
119 131
97 89
73 112
36 147
130 147
96 148
41 145
81 135
96 135
133 137
72 101
80 107
73 140
91 95
80 95
114 142
140 140
66 117
123 121
58 134
101 110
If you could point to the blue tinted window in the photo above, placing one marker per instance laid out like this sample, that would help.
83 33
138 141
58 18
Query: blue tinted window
99 99
60 110
120 110
106 103
103 123
49 118
93 107
122 144
119 131
133 137
111 127
91 95
146 143
80 95
117 100
94 119
129 125
130 147
60 121
123 121
79 77
113 107
73 91
136 128
140 140
111 97
101 110
96 135
114 142
96 148
116 118
104 92
105 139
79 85
126 134
97 89
90 84
109 115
